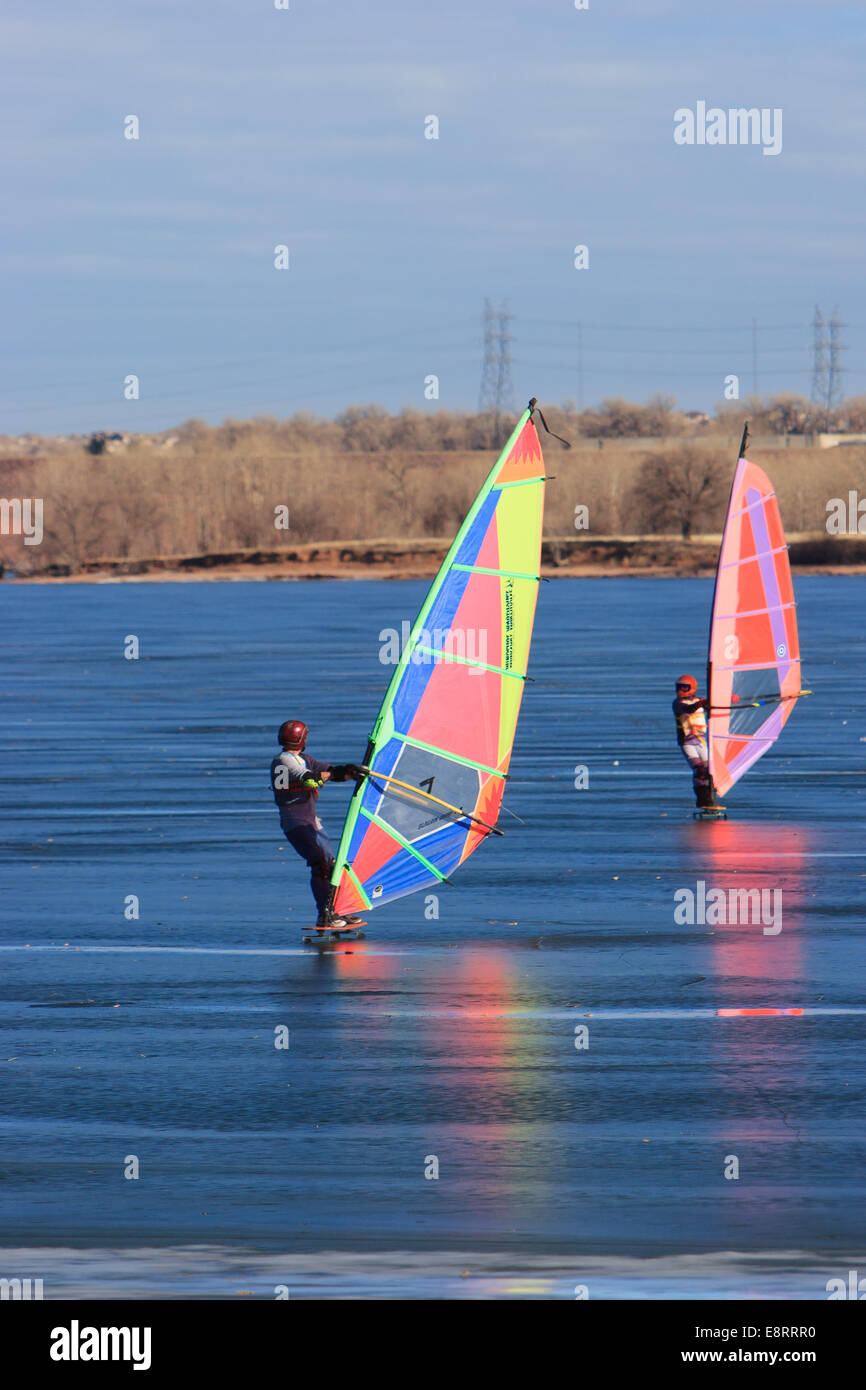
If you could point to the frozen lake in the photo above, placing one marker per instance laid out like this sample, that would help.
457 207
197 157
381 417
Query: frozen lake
449 1038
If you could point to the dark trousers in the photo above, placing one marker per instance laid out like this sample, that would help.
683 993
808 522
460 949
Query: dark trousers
694 751
314 846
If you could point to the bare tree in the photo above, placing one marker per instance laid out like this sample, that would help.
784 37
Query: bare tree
77 531
683 489
660 418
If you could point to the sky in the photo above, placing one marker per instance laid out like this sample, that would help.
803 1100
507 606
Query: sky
305 127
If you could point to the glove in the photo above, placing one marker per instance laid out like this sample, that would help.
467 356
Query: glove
343 771
311 782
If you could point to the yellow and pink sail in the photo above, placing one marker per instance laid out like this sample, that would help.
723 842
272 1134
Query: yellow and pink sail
440 749
753 669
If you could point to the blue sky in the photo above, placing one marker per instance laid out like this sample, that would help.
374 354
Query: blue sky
306 127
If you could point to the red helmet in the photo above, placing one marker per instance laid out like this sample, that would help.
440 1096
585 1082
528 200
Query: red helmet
293 735
687 685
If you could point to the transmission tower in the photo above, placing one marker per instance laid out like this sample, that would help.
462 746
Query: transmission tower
819 358
497 391
487 394
834 370
504 384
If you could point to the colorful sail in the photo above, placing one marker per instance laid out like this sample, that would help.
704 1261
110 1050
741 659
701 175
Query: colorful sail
754 656
440 749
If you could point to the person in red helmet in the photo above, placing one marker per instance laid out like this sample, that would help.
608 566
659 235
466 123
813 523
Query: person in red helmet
296 778
690 713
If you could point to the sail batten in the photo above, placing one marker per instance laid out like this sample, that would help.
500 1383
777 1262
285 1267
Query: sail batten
467 661
443 737
753 613
749 738
748 559
499 574
750 506
519 482
754 655
431 748
758 666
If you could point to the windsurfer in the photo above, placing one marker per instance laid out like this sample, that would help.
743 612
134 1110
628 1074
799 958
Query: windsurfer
690 713
296 778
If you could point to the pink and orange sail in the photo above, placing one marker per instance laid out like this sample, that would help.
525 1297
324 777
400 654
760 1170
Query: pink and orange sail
753 669
440 749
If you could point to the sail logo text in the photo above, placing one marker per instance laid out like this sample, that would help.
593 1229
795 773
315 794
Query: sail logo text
76 1343
739 125
22 516
509 624
720 907
428 648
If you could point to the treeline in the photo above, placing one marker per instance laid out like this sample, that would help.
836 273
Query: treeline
783 414
268 484
372 429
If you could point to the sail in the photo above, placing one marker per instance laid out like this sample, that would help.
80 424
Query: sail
754 652
440 748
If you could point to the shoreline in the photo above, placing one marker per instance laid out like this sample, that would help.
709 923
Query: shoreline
349 574
652 557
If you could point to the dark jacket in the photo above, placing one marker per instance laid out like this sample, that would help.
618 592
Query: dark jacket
297 803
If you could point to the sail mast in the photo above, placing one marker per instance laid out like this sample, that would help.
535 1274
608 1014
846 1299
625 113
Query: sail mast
744 444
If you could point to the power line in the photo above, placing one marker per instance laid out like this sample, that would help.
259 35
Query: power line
648 326
631 351
644 372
